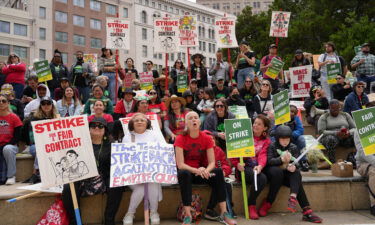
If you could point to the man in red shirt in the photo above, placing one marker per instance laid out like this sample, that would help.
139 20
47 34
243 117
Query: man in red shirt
266 62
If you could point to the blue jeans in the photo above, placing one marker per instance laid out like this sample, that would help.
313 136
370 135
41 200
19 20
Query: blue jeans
18 89
367 80
9 154
32 151
111 85
300 142
243 74
85 93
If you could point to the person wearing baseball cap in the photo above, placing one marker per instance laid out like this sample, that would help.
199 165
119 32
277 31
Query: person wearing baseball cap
265 63
364 63
299 59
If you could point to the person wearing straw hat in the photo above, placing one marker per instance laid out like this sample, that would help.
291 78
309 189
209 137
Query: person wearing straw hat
174 122
198 70
142 106
126 105
160 86
15 105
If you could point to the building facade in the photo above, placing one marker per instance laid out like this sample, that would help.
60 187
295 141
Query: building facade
235 7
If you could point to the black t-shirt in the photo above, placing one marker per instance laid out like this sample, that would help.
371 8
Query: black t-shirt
221 93
220 124
242 63
29 92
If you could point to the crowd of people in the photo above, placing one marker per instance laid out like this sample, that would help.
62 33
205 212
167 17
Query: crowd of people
192 120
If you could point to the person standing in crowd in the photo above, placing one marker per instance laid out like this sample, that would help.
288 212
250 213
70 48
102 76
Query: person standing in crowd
174 121
130 68
198 70
263 103
341 89
29 93
81 75
41 91
248 93
357 99
15 74
219 70
245 63
126 105
150 68
220 90
190 148
155 104
64 83
177 69
58 70
315 105
205 106
189 98
255 164
11 127
364 63
69 105
235 97
15 105
2 76
108 67
266 62
140 132
101 144
299 59
98 94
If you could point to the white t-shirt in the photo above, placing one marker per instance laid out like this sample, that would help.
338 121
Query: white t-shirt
333 57
147 136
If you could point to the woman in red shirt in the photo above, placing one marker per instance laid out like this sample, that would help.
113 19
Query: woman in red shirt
155 105
174 122
15 74
99 112
190 150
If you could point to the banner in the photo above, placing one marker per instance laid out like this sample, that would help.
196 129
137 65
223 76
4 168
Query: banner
274 70
239 138
92 60
137 163
118 33
182 83
365 122
225 32
64 150
333 70
146 80
166 35
188 31
239 111
279 24
281 107
300 81
43 71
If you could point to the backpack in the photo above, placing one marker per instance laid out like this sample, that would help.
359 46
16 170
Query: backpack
196 209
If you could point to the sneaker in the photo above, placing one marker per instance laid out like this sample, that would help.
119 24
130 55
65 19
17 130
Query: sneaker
128 219
234 214
227 219
187 220
212 215
372 210
292 204
263 210
155 218
253 212
34 179
309 216
304 166
11 180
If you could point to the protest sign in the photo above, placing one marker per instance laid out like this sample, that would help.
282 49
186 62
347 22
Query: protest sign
166 35
357 49
274 70
182 83
365 122
312 142
118 33
188 31
225 32
38 187
146 80
43 71
300 81
279 24
239 138
333 70
316 61
64 150
92 60
137 163
239 111
281 107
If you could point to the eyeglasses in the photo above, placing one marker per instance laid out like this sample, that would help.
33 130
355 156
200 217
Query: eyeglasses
219 106
46 103
3 101
152 93
179 62
96 125
360 86
265 84
140 120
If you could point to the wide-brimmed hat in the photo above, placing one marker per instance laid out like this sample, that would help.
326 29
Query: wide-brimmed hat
175 97
162 78
6 89
197 55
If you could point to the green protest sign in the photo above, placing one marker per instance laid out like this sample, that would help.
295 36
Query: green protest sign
274 70
365 122
239 111
333 70
182 83
43 71
281 107
357 49
239 138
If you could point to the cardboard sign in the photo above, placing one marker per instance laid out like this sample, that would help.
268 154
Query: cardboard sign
281 107
300 81
279 24
182 83
188 31
239 111
316 61
225 32
166 35
118 33
43 71
239 138
274 70
64 150
333 70
146 80
137 163
365 122
92 60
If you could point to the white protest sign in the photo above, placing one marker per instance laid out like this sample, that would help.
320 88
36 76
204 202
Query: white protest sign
225 32
279 24
38 187
188 31
118 33
300 81
166 35
137 163
92 60
64 150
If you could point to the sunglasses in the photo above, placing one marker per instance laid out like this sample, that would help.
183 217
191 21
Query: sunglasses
264 84
96 125
360 86
339 78
219 106
46 103
179 62
3 101
248 81
152 93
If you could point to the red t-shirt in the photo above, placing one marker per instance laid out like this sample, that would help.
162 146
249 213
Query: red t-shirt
107 117
157 108
180 123
194 148
7 125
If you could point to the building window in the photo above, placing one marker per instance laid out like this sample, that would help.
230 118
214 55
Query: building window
147 2
80 3
96 43
144 34
61 17
79 20
153 4
64 57
42 54
111 9
165 7
42 12
177 11
144 50
159 6
183 57
160 56
172 57
200 45
171 9
125 12
203 32
209 48
20 51
4 27
95 5
95 24
61 37
42 33
79 40
204 46
143 17
4 50
226 6
20 29
63 1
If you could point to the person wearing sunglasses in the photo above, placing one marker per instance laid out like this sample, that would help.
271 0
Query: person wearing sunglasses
263 103
198 70
155 104
174 122
150 68
357 99
177 69
341 89
248 93
15 74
